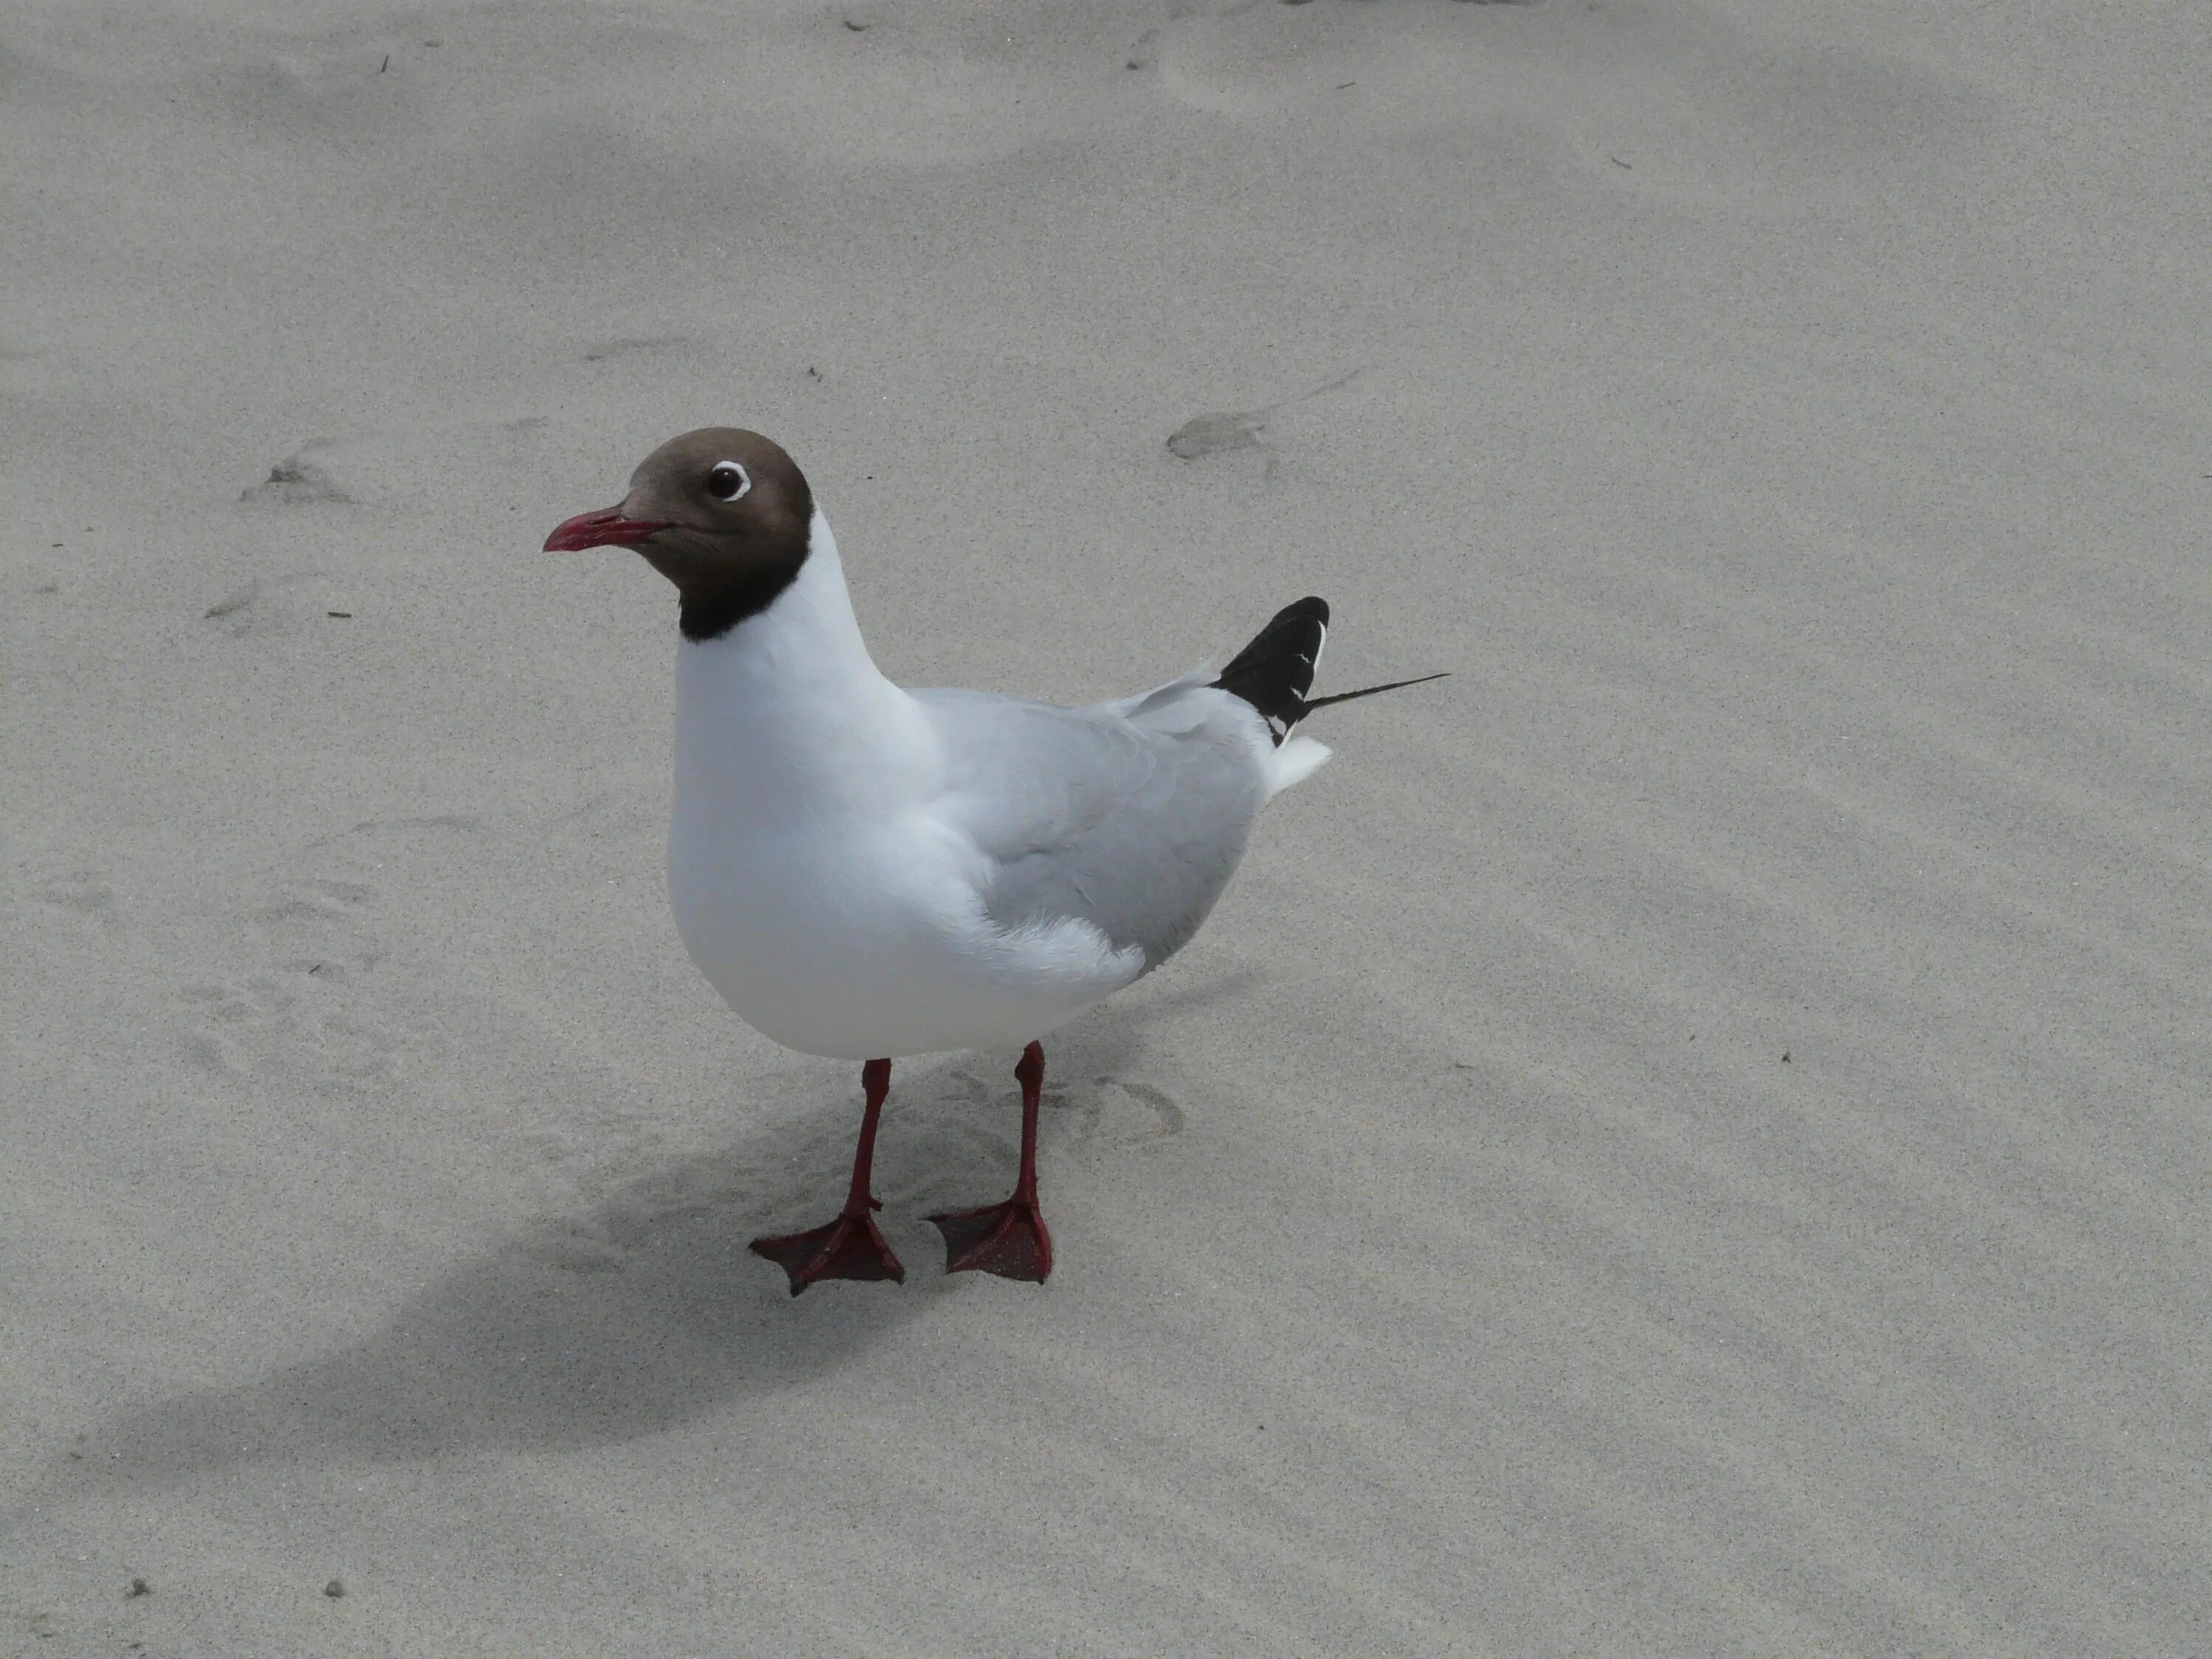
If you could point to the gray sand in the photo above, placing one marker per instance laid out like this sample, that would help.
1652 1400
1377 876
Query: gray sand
1688 1138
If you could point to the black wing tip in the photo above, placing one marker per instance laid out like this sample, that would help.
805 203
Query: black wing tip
1275 669
1311 611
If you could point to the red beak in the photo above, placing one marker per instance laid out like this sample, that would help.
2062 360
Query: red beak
604 528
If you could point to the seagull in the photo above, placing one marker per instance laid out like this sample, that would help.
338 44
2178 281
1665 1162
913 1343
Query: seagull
867 873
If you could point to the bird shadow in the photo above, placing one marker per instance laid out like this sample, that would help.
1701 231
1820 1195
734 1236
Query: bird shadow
644 1309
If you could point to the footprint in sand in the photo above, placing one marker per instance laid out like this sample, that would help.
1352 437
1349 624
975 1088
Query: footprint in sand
296 481
1223 431
1114 1112
311 1009
314 898
631 343
1214 435
269 605
82 894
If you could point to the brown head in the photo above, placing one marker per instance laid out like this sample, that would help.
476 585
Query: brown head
722 513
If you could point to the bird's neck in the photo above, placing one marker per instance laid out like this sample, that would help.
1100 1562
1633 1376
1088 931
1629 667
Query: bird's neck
787 710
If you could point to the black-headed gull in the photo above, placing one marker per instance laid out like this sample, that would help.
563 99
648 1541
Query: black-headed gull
866 873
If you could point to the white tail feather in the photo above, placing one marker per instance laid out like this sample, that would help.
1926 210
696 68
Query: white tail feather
1296 761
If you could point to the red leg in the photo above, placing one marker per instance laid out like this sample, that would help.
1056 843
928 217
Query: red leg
1008 1239
851 1247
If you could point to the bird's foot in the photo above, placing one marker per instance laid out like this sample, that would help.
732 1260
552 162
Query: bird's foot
851 1247
1007 1239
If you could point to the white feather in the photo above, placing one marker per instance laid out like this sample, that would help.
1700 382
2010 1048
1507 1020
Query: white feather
1295 761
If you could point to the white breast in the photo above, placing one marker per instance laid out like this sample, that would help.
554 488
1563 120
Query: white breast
811 881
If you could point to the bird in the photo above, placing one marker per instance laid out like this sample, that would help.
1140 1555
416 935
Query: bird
868 872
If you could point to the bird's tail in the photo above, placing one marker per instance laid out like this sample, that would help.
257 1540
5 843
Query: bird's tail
1274 673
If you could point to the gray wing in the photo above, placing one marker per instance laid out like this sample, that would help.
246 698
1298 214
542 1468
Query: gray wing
1130 816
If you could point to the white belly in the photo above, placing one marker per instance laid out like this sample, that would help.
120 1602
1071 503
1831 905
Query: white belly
869 942
811 882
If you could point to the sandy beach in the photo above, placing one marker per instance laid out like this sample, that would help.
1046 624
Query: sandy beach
1688 1138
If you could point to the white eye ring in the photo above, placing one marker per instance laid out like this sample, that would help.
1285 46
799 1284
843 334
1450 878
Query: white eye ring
728 481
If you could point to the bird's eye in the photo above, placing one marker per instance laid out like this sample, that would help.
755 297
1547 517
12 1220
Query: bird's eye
728 481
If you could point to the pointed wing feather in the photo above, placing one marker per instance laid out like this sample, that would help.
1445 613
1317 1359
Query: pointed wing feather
1128 816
